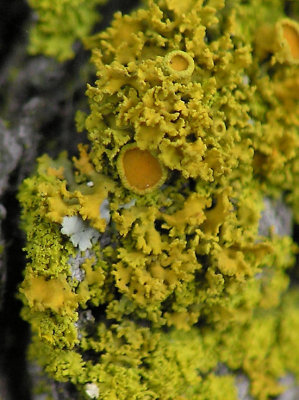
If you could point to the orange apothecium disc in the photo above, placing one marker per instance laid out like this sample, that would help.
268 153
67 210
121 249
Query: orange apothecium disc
139 170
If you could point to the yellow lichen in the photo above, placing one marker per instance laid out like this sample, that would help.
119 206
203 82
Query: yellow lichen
56 172
94 275
192 213
90 200
183 277
83 163
55 294
80 199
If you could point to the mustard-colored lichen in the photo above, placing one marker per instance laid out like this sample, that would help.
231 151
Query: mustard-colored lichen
59 24
53 294
194 121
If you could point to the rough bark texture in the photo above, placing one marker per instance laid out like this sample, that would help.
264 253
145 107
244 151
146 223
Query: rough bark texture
38 100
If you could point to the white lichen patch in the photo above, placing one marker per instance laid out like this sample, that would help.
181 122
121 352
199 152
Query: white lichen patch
79 231
245 80
92 390
128 205
276 214
77 272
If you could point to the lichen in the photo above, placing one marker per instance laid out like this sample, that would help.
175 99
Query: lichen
59 24
193 131
79 232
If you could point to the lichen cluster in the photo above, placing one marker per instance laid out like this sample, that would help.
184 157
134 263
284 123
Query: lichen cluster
148 266
59 23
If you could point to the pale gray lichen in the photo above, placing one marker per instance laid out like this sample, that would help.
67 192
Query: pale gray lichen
80 233
105 211
292 392
86 322
76 262
128 205
276 214
243 387
92 390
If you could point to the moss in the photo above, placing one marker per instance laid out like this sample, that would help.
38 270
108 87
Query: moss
165 256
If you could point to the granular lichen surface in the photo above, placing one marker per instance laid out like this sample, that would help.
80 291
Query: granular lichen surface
155 227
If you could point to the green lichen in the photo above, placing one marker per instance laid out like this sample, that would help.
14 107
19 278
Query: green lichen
179 281
59 24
